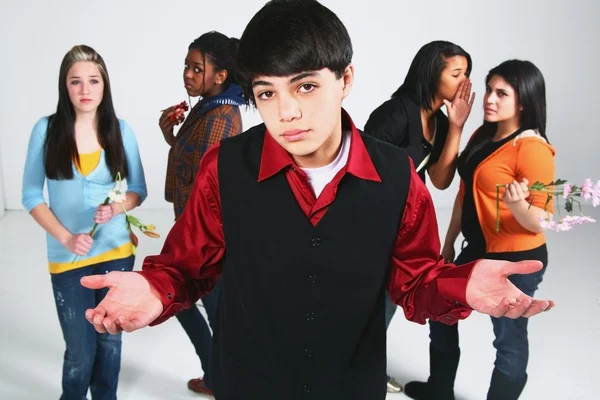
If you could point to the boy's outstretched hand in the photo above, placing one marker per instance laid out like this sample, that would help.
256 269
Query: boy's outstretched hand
490 292
130 303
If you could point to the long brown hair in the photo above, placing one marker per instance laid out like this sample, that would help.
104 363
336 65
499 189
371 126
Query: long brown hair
60 146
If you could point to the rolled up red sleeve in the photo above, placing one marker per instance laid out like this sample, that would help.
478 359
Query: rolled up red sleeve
190 262
420 281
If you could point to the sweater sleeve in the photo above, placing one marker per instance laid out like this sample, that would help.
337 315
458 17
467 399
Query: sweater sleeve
136 182
535 162
34 174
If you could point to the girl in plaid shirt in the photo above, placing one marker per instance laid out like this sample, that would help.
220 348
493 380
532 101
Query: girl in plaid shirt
208 73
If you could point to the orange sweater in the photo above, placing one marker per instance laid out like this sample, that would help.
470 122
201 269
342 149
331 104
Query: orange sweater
527 156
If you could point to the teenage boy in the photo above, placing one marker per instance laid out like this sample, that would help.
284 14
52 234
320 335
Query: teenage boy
307 222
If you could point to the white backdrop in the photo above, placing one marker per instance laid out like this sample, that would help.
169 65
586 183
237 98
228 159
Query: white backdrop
1 189
144 45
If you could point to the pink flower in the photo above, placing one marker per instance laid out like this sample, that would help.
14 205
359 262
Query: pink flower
575 220
567 190
587 189
562 227
547 223
596 194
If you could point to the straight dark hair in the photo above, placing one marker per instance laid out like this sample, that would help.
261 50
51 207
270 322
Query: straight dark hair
423 77
530 89
60 146
288 37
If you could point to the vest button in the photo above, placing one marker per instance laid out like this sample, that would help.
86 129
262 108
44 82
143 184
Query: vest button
308 352
316 241
307 388
310 316
312 279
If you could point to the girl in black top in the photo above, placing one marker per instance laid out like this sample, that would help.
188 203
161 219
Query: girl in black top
413 120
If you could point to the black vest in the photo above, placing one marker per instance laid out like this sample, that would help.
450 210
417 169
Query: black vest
301 308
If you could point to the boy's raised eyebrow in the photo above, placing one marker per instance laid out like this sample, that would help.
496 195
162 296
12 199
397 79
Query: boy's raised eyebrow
261 83
303 75
291 81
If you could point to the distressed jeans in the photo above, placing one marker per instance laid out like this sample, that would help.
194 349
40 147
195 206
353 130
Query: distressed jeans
92 360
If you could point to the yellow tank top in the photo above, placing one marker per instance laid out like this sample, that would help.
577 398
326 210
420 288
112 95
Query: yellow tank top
88 162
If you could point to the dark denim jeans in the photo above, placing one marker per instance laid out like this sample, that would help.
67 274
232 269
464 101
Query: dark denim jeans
197 330
92 360
511 342
390 309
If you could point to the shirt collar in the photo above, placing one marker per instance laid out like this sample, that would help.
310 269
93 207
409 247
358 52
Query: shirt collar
274 158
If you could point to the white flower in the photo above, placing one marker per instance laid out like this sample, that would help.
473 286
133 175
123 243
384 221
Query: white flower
123 185
118 194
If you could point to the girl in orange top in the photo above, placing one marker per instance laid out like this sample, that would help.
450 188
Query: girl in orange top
510 147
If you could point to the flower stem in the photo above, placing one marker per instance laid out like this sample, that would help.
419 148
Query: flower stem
93 228
96 224
498 206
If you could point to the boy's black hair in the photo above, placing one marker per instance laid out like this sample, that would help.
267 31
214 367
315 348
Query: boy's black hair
287 37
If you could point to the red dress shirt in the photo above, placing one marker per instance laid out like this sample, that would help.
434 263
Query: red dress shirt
420 282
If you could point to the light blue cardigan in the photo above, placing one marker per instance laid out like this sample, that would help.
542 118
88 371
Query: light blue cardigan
75 201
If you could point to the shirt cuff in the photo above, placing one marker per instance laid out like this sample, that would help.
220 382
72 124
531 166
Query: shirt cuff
161 282
452 285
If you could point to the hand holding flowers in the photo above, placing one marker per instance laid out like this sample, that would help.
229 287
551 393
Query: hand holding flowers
516 192
105 212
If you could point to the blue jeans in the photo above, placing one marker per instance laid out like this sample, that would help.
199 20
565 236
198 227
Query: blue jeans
92 360
197 330
390 309
511 342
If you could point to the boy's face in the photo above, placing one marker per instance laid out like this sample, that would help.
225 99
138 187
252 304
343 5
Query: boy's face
302 112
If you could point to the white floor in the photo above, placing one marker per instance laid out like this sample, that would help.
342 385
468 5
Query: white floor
157 362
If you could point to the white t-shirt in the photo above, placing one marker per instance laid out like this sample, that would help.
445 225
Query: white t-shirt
320 177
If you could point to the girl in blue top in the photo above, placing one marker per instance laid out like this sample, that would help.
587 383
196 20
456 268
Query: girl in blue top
78 151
